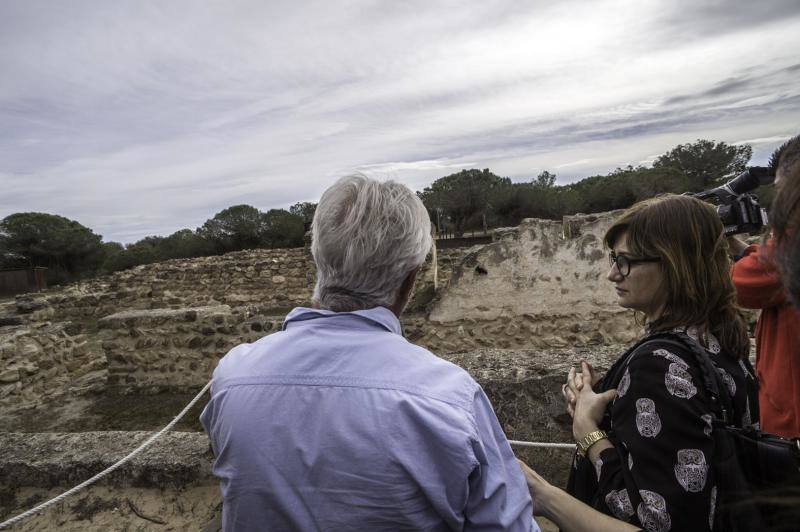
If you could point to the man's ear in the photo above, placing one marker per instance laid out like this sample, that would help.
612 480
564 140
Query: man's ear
408 284
404 293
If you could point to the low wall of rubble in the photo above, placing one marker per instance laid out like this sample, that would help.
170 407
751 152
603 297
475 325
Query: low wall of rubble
267 281
154 350
266 278
523 386
44 361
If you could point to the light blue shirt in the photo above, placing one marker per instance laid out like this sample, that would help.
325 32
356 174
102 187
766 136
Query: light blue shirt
337 422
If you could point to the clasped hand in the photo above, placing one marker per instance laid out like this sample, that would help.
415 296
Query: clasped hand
584 405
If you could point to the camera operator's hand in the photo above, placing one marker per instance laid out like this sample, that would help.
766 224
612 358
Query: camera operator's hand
736 245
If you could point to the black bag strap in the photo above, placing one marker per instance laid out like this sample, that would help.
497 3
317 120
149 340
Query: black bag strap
715 388
614 373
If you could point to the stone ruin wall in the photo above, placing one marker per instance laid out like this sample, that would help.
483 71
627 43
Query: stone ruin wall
271 280
156 326
46 361
265 281
165 325
541 284
153 350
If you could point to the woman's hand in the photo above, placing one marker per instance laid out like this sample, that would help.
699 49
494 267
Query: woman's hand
588 407
571 388
565 510
542 491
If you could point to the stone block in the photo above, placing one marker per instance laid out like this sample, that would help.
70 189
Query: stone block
9 375
80 350
73 365
10 389
177 460
94 381
28 348
6 321
46 363
27 304
28 369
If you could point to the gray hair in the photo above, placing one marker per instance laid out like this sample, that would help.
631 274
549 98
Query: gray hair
367 236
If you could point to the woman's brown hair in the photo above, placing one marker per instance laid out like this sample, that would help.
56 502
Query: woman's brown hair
688 237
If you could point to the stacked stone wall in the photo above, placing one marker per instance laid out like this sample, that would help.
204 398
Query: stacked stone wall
153 350
266 281
270 279
44 361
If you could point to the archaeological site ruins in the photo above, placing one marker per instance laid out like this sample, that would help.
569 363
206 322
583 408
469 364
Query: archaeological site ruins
88 371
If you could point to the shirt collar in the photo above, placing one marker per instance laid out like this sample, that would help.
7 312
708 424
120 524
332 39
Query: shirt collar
381 316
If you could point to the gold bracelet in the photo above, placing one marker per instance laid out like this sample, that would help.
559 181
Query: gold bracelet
589 440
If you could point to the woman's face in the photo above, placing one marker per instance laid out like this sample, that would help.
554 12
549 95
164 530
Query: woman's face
643 288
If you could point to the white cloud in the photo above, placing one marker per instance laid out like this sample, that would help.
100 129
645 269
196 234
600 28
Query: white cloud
764 140
581 162
141 117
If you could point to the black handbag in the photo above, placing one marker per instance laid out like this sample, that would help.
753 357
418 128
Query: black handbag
767 459
757 473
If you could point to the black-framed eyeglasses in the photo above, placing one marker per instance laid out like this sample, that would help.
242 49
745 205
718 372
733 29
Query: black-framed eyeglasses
624 262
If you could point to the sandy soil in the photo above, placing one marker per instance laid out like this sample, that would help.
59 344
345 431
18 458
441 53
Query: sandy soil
105 508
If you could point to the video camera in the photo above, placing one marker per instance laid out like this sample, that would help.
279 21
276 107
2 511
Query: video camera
740 211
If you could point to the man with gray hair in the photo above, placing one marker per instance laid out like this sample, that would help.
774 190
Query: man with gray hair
337 422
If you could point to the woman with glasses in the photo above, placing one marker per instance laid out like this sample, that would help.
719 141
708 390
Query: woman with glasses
647 459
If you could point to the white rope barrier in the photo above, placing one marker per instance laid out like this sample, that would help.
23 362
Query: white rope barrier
565 446
142 447
154 437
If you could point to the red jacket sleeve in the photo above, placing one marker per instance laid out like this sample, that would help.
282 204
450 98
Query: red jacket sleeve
757 282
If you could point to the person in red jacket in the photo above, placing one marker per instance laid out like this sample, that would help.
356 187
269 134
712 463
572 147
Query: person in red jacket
759 286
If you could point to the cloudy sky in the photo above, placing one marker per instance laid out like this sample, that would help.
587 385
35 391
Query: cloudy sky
145 117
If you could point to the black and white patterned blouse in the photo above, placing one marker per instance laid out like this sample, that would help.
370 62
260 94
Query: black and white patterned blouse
661 429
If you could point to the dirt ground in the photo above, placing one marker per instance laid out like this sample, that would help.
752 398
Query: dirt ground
105 508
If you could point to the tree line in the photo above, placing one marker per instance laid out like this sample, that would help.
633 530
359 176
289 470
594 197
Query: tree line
476 199
72 251
466 200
